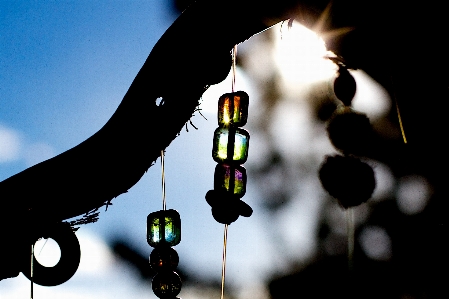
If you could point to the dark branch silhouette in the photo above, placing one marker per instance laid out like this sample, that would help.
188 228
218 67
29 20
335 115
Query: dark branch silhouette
111 161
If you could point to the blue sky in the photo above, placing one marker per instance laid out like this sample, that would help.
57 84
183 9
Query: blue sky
64 68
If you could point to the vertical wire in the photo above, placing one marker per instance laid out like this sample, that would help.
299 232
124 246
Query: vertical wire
350 232
234 55
225 234
223 265
164 203
32 270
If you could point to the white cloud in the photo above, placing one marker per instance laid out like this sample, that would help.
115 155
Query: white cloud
10 145
13 148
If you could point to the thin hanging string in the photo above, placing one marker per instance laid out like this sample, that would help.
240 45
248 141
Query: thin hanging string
225 237
223 265
164 203
234 55
32 270
350 232
400 123
42 248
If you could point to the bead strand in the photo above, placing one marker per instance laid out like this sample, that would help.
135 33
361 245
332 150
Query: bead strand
164 232
230 151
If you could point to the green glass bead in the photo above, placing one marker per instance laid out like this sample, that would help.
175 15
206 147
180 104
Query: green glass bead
164 258
164 228
233 109
166 284
230 178
230 145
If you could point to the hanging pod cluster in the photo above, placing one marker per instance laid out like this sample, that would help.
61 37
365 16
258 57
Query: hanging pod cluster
230 151
345 176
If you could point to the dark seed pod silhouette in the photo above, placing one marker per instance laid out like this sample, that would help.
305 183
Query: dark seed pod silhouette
350 132
347 179
344 86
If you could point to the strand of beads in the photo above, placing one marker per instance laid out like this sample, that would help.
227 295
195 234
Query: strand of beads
164 232
345 177
230 151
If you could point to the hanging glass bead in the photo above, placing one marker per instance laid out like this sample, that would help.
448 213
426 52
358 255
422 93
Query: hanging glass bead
164 227
163 258
230 178
230 142
166 284
233 109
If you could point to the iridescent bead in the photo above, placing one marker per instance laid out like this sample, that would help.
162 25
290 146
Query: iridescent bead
164 228
166 284
230 178
164 258
233 109
230 142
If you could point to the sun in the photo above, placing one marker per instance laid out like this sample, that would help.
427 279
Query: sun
300 56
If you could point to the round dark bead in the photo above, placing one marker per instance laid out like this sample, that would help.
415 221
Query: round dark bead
227 207
225 214
347 179
350 132
164 258
166 284
344 86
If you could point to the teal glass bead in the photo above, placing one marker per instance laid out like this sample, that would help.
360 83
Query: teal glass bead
230 145
233 109
164 258
230 178
166 284
164 228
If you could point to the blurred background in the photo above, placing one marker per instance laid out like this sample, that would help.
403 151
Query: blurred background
64 68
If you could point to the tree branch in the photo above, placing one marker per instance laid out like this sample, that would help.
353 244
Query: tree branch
115 158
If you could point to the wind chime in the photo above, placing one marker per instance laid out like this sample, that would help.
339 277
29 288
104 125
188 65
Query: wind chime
230 151
164 232
345 176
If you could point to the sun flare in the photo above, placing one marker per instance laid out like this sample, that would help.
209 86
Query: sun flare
299 56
